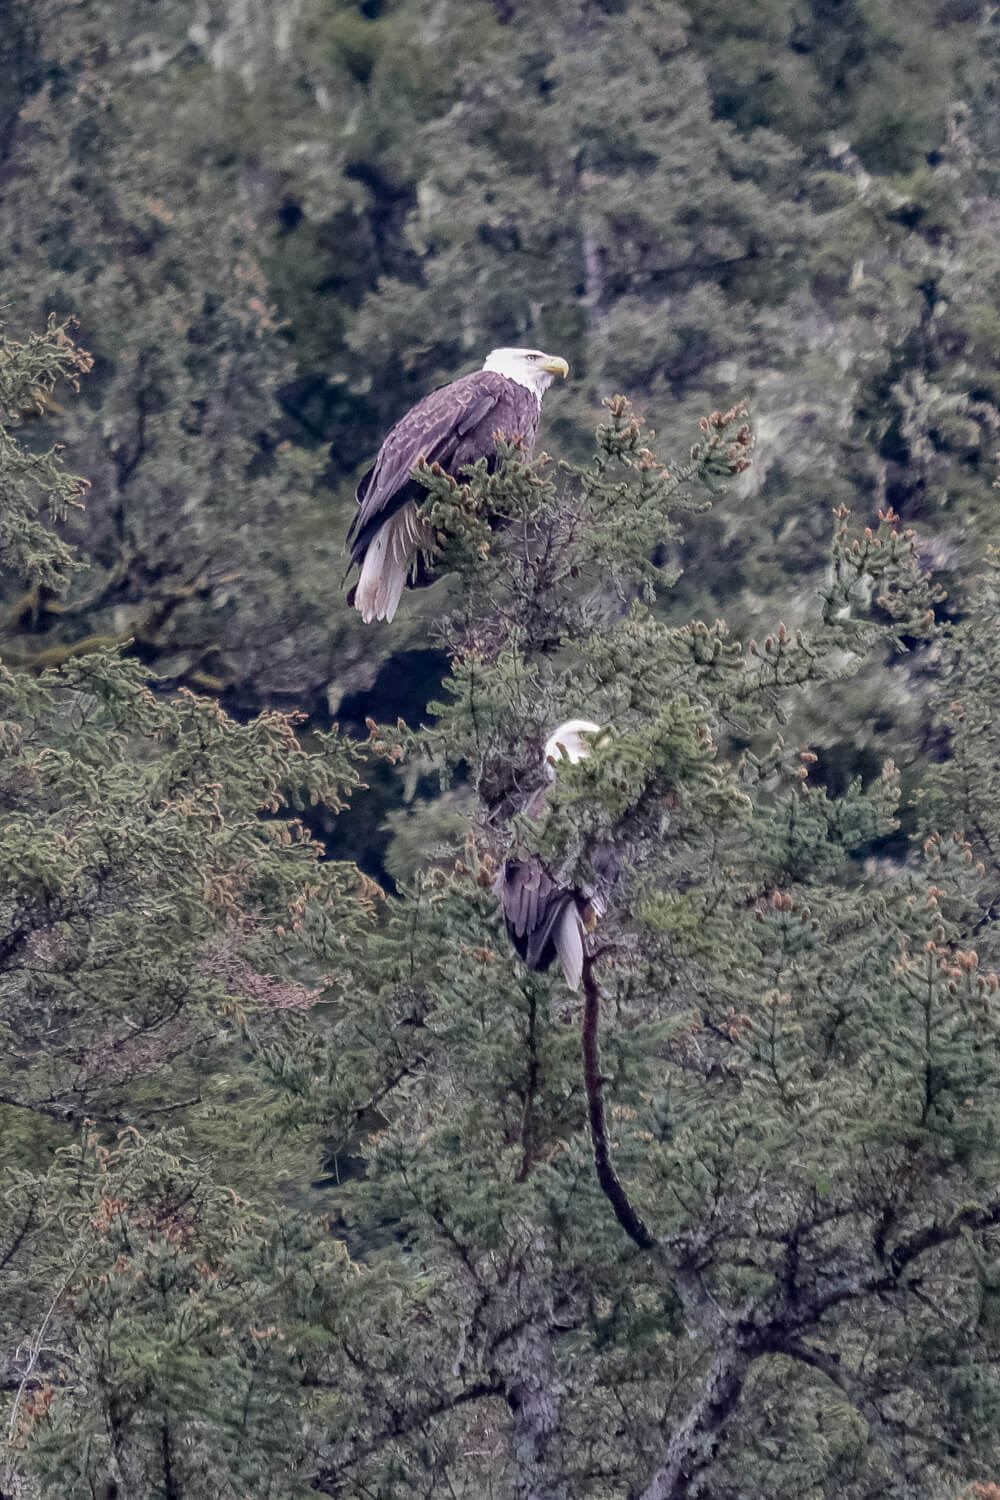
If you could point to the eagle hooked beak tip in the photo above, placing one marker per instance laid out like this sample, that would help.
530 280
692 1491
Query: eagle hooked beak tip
556 365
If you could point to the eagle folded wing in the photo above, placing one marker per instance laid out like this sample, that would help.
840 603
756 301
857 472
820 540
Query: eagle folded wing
387 487
434 430
543 919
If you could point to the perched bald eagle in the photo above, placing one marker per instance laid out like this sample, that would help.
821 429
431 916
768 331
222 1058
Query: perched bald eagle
544 919
454 426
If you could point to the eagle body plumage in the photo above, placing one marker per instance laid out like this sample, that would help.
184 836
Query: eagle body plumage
545 919
454 426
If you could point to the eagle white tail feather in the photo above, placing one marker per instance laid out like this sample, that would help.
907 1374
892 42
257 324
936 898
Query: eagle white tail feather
380 586
390 556
569 945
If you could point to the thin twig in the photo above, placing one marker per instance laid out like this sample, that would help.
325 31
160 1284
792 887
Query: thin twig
33 1360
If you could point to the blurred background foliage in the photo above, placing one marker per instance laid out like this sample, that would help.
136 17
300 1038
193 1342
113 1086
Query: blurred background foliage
279 224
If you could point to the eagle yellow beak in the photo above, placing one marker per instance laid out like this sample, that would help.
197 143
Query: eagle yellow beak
555 365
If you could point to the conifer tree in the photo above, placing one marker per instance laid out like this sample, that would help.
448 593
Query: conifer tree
158 899
724 1223
729 1225
195 532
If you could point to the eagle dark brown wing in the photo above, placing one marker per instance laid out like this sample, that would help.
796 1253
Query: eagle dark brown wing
453 426
544 920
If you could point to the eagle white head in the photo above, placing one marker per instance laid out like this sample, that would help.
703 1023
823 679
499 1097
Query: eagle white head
568 740
531 367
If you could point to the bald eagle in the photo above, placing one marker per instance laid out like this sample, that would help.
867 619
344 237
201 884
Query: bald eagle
545 919
454 426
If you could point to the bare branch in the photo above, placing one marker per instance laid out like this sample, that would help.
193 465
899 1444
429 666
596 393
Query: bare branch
608 1178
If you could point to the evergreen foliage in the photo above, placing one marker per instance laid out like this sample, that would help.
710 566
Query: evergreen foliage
307 1188
160 907
774 1280
729 1224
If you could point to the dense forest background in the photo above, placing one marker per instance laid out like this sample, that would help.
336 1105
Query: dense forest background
278 225
299 1189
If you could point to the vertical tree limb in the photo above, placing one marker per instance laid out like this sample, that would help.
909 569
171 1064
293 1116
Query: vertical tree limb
606 1175
693 1442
